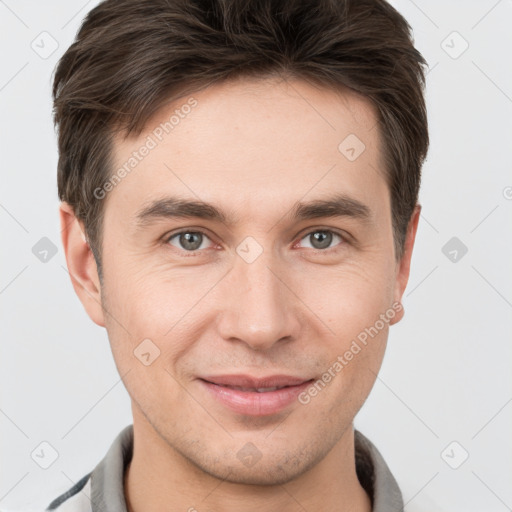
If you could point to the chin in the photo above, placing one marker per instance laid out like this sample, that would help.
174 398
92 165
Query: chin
265 468
264 475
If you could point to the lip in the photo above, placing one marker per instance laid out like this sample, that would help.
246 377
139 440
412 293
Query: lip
254 403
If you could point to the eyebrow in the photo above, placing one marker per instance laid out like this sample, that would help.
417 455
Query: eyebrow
338 205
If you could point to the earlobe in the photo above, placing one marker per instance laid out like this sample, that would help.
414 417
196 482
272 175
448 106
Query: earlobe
404 265
81 264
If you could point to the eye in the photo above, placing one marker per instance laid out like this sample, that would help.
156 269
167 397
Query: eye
194 241
321 239
189 241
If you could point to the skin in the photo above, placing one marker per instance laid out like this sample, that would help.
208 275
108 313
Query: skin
252 148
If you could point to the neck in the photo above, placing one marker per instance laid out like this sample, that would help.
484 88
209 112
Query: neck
159 478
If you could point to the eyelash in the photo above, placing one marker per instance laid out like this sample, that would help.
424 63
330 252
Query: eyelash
344 240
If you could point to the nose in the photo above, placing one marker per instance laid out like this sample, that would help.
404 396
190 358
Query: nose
258 307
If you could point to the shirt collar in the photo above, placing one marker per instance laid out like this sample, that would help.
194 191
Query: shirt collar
107 478
376 477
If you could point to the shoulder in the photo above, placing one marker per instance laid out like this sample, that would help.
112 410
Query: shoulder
102 488
75 499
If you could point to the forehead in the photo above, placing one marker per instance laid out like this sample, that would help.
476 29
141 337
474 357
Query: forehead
250 143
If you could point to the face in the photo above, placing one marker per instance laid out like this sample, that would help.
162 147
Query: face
199 300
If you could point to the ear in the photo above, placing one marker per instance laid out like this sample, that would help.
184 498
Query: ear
81 264
404 265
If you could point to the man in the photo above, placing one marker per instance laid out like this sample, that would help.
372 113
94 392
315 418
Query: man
239 185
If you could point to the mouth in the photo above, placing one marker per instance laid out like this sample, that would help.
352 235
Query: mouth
255 390
252 396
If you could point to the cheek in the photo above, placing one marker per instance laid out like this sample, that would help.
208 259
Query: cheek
356 304
142 313
150 302
160 305
351 298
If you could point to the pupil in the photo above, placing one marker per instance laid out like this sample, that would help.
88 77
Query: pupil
322 239
187 241
192 241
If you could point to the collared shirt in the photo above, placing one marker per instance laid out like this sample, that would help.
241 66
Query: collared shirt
102 490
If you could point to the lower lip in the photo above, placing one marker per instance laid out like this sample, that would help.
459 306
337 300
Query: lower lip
253 403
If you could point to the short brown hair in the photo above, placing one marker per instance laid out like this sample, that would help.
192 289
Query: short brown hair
132 56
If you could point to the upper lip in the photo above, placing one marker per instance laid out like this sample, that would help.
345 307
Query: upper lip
248 381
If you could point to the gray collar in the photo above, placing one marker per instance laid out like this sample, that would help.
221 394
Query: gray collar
107 478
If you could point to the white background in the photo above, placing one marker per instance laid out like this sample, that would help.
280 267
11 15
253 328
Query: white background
447 373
